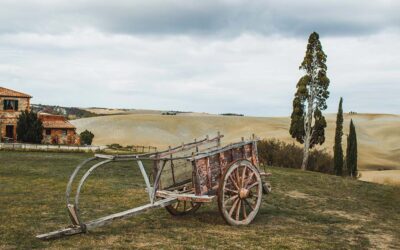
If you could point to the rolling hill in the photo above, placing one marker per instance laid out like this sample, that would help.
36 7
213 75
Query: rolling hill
378 134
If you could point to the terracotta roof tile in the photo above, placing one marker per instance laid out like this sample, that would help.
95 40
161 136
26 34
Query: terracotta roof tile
57 124
54 121
12 93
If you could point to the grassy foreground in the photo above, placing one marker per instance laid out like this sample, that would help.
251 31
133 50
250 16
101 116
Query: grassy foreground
305 211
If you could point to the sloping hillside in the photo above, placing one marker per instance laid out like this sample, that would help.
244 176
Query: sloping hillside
378 134
68 112
114 111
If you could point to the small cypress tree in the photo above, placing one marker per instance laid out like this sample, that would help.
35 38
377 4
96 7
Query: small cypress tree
86 137
29 127
337 148
307 122
351 152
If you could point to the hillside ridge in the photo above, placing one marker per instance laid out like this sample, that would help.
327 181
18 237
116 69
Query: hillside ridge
378 134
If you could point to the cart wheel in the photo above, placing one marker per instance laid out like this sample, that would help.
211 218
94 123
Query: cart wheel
240 193
181 208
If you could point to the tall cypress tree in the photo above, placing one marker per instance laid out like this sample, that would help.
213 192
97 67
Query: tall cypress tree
307 122
351 152
337 148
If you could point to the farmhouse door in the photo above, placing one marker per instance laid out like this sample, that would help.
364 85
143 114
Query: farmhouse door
10 131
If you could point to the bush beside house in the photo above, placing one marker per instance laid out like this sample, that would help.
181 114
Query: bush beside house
86 137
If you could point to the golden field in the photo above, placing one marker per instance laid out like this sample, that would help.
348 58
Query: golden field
378 134
389 177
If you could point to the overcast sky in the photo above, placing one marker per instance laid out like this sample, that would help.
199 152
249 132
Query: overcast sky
212 56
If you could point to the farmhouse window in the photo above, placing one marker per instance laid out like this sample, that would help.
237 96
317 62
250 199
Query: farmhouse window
10 105
48 131
64 132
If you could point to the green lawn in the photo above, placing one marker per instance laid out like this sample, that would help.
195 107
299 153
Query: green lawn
306 210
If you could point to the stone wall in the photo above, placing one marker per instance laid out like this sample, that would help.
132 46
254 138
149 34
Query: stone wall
10 117
58 137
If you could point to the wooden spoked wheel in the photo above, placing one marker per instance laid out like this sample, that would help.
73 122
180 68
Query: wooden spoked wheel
240 193
181 208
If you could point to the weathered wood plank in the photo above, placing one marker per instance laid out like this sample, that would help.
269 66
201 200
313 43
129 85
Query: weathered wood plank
60 233
129 213
72 214
219 150
106 219
180 185
188 146
103 156
185 196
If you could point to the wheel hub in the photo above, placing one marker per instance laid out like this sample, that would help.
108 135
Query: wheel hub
244 193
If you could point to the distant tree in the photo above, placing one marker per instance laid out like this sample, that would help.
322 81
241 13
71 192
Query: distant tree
29 127
351 152
307 122
337 148
86 137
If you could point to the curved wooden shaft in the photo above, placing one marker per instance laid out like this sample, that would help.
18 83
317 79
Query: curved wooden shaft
73 209
83 179
72 178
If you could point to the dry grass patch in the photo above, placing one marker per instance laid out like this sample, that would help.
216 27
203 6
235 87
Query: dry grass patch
387 177
381 240
306 210
350 216
297 195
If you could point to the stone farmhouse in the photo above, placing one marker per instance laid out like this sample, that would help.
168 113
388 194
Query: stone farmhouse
12 103
56 129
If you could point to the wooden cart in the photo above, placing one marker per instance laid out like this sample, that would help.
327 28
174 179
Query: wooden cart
184 177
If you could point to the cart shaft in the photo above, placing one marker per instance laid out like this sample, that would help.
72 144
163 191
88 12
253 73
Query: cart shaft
106 220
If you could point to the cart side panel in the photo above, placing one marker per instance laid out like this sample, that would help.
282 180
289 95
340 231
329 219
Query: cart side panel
223 160
215 170
237 153
254 154
248 152
209 169
202 176
228 157
174 172
180 170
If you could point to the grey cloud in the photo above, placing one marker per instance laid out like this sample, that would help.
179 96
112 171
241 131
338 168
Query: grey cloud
197 74
198 55
206 17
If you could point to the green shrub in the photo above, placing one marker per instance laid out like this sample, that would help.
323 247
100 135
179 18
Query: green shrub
115 146
277 153
86 137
